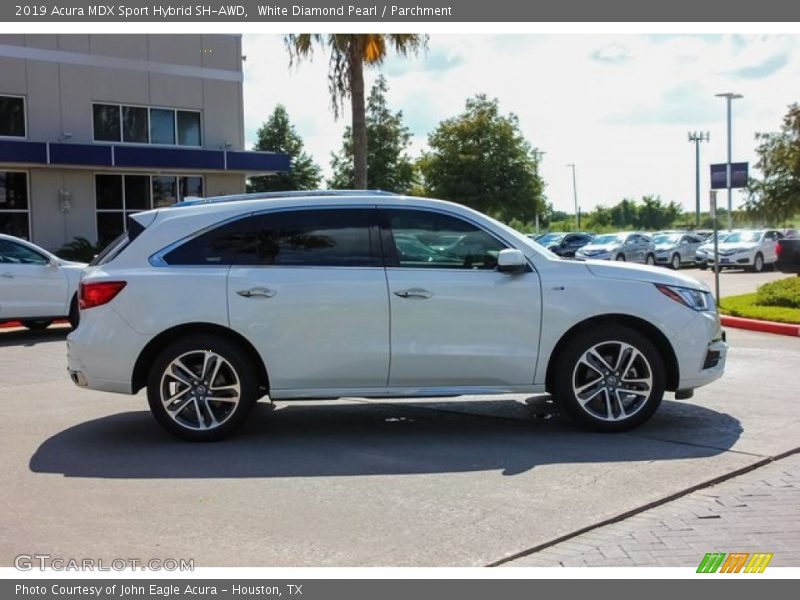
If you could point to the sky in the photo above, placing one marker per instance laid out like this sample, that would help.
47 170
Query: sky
617 106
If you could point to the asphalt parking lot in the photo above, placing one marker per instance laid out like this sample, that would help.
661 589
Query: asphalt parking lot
460 482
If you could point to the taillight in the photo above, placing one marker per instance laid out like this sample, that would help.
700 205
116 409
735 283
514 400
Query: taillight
98 293
778 249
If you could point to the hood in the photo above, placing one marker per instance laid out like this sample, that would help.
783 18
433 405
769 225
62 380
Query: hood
731 245
628 271
595 247
667 246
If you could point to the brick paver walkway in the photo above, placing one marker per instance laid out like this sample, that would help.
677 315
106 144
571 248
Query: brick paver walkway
755 512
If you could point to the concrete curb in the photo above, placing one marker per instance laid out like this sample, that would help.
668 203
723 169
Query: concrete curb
758 325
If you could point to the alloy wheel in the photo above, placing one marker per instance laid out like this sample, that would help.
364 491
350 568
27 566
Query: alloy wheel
612 381
200 390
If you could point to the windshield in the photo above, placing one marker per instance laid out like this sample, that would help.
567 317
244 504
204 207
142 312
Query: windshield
667 238
550 239
604 240
742 236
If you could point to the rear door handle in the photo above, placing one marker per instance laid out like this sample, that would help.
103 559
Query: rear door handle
414 293
257 292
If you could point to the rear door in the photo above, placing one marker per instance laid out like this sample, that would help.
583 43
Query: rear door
29 285
309 291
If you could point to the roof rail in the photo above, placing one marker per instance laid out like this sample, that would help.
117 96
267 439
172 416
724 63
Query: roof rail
287 194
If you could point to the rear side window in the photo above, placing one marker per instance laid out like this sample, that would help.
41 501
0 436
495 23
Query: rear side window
234 243
327 238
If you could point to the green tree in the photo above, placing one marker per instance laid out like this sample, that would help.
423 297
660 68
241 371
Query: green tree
348 55
654 214
277 134
390 167
777 195
481 159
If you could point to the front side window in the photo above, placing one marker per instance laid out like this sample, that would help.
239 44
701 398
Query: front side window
17 254
301 238
12 116
423 239
14 203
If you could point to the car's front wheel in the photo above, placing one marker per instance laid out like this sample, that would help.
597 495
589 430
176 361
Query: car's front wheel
620 258
758 263
675 263
611 378
651 259
201 388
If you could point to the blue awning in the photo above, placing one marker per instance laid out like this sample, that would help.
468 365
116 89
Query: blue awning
140 157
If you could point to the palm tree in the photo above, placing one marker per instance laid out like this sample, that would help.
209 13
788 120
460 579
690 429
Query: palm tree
349 54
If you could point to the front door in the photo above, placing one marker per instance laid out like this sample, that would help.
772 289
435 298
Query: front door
29 285
456 320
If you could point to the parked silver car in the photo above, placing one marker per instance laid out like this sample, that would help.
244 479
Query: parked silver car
676 248
631 246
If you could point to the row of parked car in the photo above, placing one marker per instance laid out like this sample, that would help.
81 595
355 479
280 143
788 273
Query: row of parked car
752 249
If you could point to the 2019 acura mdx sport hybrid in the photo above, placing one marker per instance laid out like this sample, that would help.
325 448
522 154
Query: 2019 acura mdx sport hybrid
212 304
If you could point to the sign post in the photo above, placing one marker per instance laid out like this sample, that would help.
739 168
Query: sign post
713 210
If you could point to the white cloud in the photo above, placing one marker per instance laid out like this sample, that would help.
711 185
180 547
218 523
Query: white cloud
623 122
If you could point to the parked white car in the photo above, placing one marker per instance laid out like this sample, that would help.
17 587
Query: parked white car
749 249
36 287
211 305
706 249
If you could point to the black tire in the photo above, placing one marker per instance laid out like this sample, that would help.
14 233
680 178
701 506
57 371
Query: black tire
37 324
650 260
74 313
758 263
703 267
239 367
569 368
620 258
675 264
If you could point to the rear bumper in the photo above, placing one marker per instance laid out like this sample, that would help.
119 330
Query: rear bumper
101 352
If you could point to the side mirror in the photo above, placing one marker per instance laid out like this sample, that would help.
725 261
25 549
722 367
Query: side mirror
511 260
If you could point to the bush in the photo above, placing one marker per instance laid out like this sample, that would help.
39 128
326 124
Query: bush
783 292
79 249
745 306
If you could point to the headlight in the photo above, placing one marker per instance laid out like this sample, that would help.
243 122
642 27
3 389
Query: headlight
694 299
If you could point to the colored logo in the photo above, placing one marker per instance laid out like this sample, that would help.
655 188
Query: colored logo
736 562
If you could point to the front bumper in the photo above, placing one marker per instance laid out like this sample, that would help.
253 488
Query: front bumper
702 350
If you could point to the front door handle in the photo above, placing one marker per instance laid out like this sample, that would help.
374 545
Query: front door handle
257 292
414 293
8 275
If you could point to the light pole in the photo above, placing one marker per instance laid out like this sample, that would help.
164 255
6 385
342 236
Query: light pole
575 197
697 137
729 96
537 156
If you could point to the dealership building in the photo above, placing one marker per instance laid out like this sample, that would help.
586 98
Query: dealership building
96 127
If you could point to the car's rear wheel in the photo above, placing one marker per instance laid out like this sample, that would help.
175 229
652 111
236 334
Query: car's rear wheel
758 263
675 263
611 378
37 324
201 388
651 259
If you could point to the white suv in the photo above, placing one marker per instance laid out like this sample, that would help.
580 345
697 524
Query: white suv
213 304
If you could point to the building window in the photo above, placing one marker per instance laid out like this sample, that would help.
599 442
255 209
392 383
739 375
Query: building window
134 124
143 125
14 204
118 196
12 116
